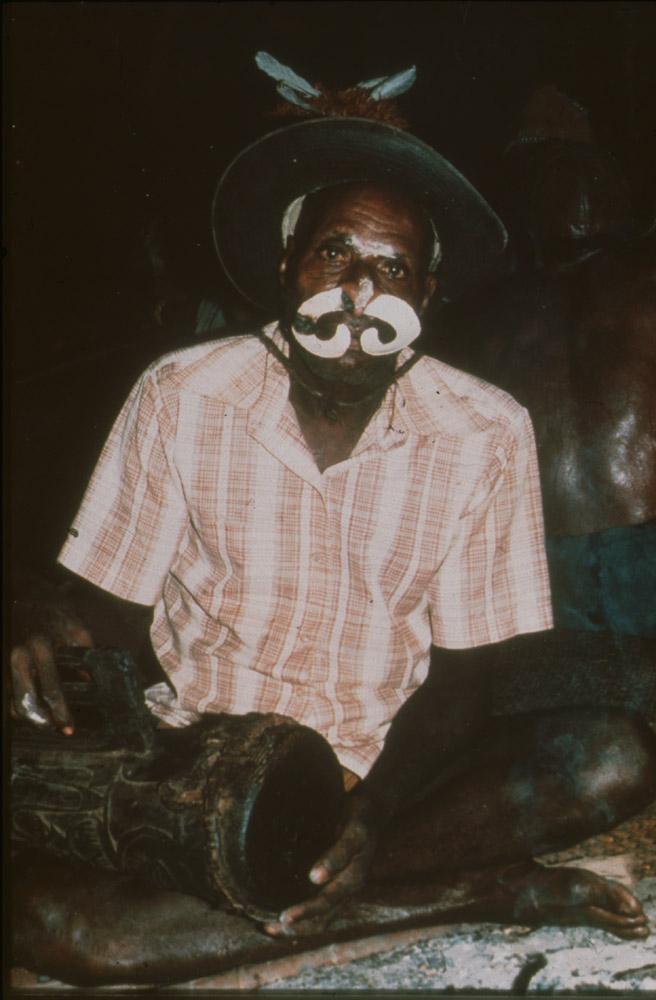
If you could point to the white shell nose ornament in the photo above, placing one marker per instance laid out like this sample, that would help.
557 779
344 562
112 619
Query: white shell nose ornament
397 314
313 309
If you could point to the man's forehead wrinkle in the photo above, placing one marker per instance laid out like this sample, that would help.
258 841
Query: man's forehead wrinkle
389 220
379 245
358 197
362 225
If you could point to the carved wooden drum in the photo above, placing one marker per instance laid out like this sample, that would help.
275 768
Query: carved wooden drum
235 809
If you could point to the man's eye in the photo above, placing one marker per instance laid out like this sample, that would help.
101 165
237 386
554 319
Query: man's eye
394 269
331 252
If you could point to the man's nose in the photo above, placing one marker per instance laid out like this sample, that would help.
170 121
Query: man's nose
358 289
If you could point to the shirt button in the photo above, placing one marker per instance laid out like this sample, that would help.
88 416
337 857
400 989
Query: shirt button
319 557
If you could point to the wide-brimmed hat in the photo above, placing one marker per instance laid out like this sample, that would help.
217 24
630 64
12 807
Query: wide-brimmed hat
260 183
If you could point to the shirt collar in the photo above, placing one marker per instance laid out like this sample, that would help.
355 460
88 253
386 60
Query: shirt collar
274 386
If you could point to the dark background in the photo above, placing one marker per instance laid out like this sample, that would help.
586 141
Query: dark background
119 114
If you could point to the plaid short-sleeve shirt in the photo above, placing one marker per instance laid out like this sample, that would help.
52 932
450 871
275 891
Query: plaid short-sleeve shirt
317 595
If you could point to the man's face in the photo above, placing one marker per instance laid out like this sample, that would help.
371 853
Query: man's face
364 241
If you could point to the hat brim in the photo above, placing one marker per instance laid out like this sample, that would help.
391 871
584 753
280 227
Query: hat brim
263 179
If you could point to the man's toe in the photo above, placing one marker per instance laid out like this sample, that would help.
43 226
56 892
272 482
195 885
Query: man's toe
617 923
625 902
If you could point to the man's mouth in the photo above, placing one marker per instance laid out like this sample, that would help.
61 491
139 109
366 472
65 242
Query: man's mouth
353 367
354 357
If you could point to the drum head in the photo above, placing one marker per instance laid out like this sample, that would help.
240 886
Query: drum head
271 821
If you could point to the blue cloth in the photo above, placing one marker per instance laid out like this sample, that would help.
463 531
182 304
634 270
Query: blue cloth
209 318
605 581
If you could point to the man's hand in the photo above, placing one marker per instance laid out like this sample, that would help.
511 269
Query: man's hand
36 691
341 871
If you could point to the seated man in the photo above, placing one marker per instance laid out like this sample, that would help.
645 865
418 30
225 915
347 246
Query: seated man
331 526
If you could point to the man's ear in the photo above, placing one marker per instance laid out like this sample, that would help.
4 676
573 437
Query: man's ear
284 262
429 290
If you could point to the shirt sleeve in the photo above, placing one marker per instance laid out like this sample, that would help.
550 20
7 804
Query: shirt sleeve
494 582
133 515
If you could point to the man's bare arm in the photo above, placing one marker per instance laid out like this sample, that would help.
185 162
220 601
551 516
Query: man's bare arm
441 720
428 736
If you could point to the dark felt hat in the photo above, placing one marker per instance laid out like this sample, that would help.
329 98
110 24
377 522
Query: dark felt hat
255 190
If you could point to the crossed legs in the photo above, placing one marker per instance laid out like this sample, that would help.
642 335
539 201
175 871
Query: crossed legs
535 783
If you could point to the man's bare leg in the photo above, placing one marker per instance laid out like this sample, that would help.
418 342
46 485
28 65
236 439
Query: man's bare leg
90 927
536 783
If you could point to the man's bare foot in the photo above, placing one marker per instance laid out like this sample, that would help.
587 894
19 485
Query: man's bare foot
521 893
533 894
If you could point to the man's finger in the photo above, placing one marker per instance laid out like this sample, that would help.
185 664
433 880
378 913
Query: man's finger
352 841
24 698
49 683
312 916
303 920
308 928
295 920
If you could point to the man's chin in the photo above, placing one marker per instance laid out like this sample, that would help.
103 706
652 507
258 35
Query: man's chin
351 369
